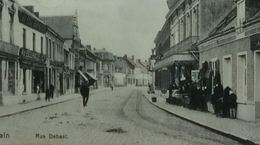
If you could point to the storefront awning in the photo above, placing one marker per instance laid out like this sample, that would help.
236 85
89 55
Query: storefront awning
170 60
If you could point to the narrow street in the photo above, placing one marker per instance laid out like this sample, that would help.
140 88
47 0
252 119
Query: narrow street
121 117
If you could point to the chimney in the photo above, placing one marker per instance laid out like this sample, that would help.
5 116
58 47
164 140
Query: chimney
125 56
139 60
94 49
30 8
133 58
37 14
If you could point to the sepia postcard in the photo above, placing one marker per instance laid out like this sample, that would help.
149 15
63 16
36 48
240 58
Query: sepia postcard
129 72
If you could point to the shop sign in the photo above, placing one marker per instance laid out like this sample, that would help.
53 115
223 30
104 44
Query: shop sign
32 55
255 42
8 48
195 75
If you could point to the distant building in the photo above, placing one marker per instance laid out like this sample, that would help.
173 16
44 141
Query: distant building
55 61
106 67
67 27
130 76
91 60
142 74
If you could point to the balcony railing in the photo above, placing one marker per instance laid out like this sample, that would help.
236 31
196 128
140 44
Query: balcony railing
183 46
8 48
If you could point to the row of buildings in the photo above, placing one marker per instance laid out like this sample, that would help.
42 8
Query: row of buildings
224 35
47 50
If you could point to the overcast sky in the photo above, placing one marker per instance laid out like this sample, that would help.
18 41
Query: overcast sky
121 26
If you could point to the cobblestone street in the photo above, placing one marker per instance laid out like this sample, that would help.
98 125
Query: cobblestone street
120 117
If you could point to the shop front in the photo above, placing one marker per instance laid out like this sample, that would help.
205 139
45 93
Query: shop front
175 69
33 70
8 72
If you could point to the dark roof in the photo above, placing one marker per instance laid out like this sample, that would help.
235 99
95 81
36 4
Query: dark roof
227 23
61 24
130 61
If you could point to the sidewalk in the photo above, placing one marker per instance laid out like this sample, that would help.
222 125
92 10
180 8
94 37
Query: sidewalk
10 110
247 132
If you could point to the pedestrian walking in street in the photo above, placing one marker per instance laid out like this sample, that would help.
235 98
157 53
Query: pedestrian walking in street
51 91
170 88
226 100
38 92
47 95
111 86
215 100
84 91
233 105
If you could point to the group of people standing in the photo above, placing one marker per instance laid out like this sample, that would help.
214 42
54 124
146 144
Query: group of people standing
49 93
224 102
201 94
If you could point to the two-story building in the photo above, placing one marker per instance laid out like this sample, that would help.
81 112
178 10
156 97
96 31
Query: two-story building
55 61
106 65
67 28
32 56
233 49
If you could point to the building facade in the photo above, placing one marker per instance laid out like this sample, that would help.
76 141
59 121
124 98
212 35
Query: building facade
176 52
67 28
106 66
55 61
232 50
32 55
9 52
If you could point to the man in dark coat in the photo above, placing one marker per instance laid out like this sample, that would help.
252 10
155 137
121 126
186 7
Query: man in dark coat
51 91
226 100
233 104
215 100
84 91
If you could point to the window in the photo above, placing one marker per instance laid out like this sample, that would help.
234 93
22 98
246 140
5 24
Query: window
50 49
53 50
188 24
182 29
195 20
242 77
33 42
47 46
24 38
41 45
11 31
227 71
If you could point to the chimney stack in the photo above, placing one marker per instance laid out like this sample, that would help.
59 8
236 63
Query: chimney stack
133 58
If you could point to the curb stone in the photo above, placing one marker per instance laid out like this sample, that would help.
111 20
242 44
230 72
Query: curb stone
42 106
240 139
